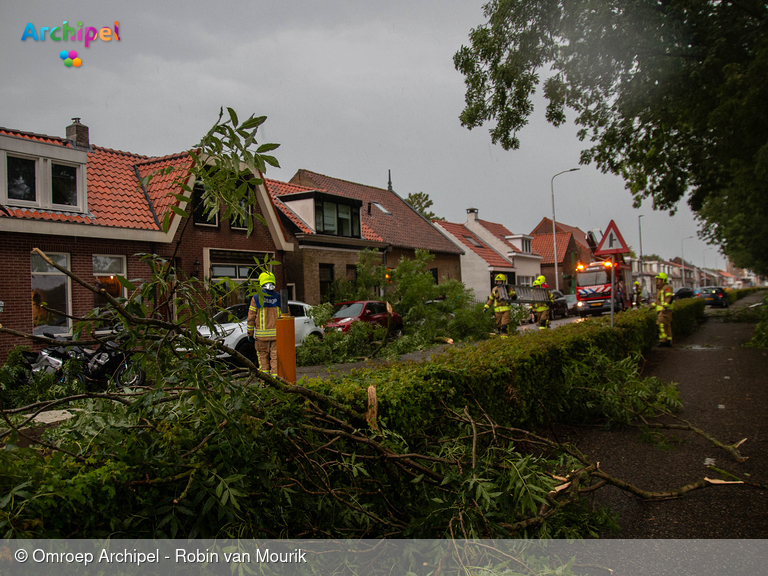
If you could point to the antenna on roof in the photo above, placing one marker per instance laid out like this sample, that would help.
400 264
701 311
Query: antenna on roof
389 186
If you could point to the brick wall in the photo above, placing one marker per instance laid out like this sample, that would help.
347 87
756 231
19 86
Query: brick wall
16 283
15 275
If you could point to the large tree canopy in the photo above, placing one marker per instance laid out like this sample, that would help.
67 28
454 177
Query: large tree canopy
671 95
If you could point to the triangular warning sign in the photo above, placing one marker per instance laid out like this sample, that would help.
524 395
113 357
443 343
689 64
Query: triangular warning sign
611 242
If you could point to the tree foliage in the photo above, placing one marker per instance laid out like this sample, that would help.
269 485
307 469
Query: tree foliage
206 450
670 94
421 202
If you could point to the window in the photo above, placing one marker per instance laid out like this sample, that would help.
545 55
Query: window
351 272
106 269
236 223
326 278
63 185
29 181
337 219
472 240
50 295
380 207
22 182
297 310
241 274
526 246
199 215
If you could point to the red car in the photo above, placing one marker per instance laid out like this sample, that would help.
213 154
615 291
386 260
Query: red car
371 311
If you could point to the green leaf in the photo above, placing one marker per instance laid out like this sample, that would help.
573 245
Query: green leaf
125 283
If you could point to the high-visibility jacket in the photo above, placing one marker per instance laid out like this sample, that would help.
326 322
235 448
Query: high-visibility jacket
495 300
542 306
664 298
262 317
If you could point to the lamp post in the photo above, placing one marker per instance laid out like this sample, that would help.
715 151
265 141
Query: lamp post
682 256
554 233
704 262
640 234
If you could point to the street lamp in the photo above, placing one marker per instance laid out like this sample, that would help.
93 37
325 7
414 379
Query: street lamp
682 256
704 262
640 233
554 233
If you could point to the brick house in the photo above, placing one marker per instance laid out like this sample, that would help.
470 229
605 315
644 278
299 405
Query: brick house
87 208
329 221
572 248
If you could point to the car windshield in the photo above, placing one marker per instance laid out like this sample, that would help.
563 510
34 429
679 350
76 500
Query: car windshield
592 278
351 310
232 314
570 298
709 290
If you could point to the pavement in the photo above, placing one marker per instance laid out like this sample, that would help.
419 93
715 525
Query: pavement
724 389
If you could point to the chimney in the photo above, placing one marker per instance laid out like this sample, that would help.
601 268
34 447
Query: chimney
389 187
77 134
471 214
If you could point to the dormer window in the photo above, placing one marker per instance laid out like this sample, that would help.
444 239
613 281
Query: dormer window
337 219
42 176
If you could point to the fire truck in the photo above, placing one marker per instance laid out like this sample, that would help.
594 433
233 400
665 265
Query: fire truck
593 286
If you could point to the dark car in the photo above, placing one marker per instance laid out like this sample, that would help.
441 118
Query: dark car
573 304
560 308
370 311
715 296
683 292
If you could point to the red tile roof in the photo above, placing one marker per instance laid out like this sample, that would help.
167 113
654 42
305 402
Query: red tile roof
462 233
403 227
115 196
500 231
542 244
545 227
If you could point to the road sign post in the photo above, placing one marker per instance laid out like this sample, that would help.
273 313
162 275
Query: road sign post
611 244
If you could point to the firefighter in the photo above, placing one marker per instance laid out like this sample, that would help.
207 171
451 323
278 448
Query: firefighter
664 308
262 323
638 294
542 308
500 299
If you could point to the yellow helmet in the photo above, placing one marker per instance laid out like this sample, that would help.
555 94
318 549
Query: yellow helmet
500 278
539 281
266 278
662 276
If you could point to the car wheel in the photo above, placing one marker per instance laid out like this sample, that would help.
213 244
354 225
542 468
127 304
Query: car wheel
246 349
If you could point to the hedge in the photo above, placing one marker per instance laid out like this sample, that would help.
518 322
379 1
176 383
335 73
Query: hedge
515 381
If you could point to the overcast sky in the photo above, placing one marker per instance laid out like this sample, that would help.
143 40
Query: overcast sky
351 89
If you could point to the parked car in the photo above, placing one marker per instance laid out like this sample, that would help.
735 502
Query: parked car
232 327
370 311
560 307
715 296
573 304
683 292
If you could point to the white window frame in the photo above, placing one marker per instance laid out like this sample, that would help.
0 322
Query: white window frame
44 156
69 311
249 212
124 273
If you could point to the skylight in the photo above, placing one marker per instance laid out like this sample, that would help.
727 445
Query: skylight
380 207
